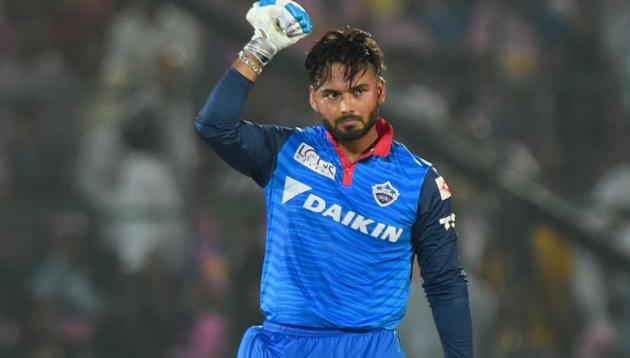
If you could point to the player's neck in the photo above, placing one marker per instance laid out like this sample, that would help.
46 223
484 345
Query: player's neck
354 149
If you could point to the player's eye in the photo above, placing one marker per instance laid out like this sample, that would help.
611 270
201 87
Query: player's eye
331 95
359 91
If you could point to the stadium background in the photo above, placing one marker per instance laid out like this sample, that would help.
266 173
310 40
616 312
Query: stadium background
121 235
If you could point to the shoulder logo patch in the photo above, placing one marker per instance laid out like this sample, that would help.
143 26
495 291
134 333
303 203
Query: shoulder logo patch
307 156
448 222
445 191
385 193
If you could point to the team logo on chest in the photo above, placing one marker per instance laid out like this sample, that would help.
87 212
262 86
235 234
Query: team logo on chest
385 193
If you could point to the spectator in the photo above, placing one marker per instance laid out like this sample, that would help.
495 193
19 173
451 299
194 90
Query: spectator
604 294
137 197
147 38
65 283
152 55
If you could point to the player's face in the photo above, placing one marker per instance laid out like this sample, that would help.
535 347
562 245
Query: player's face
350 108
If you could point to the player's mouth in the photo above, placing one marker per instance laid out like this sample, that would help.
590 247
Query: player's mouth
350 123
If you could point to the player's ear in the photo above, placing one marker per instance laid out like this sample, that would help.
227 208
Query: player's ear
381 88
311 98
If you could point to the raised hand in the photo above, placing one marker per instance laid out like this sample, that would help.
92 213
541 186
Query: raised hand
277 24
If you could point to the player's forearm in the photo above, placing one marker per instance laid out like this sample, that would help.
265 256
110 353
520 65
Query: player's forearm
224 106
454 326
448 295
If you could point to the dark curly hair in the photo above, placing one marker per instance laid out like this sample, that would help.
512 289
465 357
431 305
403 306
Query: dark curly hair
353 48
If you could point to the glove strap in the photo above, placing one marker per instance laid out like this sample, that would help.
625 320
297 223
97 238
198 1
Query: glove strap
260 48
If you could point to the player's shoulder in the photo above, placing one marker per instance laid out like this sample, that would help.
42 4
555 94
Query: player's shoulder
310 133
311 137
409 158
314 130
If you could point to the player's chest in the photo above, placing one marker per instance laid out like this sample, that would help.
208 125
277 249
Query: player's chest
312 178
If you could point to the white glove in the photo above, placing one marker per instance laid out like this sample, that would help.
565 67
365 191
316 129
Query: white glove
278 24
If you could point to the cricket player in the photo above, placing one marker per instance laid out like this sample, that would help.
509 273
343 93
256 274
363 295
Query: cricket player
348 207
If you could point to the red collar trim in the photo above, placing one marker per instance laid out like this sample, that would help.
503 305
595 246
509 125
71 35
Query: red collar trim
386 137
383 144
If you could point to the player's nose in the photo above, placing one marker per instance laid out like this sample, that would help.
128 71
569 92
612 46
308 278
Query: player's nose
346 105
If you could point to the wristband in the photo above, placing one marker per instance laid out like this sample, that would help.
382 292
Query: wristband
249 63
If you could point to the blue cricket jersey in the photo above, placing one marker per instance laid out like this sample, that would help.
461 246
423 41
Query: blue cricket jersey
342 237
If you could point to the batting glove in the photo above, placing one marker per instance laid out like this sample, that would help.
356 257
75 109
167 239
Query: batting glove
277 24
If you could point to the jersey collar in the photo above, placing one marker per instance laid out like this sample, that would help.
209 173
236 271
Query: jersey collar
381 148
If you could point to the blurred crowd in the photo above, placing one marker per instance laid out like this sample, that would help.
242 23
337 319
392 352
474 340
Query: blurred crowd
121 235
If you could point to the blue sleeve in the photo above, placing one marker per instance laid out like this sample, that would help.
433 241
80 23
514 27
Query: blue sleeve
435 241
248 147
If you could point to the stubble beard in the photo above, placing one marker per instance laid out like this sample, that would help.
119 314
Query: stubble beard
355 133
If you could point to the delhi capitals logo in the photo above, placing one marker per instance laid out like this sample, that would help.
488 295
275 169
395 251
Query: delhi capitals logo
385 193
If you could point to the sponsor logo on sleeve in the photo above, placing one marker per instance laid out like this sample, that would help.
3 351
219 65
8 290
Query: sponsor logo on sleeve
385 193
448 222
445 191
307 156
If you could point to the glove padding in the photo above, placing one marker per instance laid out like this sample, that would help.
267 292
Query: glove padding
278 24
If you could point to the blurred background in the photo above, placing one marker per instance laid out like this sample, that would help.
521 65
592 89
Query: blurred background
122 235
